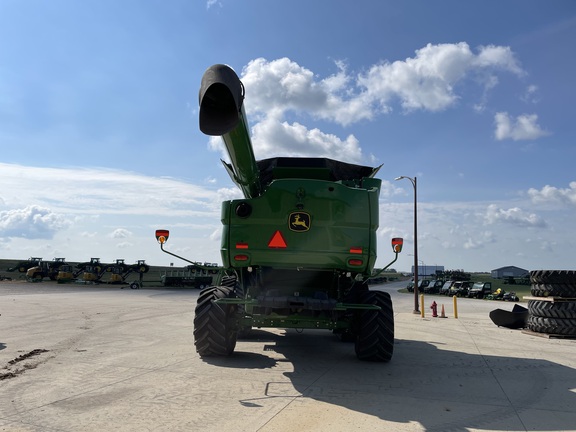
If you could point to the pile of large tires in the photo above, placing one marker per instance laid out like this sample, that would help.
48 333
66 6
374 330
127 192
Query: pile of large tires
552 309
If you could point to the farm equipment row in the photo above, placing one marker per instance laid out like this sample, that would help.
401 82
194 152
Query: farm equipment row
92 271
480 290
196 275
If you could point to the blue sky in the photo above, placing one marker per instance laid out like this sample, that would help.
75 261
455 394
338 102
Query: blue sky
99 129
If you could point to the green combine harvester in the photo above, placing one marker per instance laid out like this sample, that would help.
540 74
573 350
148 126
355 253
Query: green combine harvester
298 249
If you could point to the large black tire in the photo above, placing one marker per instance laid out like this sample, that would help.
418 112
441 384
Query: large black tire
553 277
554 290
375 329
548 309
552 326
215 333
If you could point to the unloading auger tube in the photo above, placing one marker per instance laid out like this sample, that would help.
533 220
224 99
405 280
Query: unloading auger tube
222 114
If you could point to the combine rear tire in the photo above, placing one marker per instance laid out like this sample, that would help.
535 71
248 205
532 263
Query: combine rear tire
375 338
215 333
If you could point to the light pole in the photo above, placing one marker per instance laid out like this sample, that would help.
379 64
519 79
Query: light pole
413 181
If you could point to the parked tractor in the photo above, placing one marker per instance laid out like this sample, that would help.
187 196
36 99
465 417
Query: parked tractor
66 274
44 269
92 271
120 271
23 266
298 248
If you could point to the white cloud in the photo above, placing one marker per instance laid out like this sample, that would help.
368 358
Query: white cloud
478 240
211 3
498 57
472 244
271 136
530 94
425 81
282 85
124 245
513 216
389 189
225 194
428 81
88 234
525 127
102 191
32 222
120 233
69 206
553 194
477 236
216 235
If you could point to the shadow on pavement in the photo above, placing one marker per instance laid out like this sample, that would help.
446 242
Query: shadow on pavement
425 383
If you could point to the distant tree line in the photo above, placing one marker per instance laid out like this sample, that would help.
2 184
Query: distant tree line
455 275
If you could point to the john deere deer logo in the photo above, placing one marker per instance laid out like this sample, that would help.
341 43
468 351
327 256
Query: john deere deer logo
299 221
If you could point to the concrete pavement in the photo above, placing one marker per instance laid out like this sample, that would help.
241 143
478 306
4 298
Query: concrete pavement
80 358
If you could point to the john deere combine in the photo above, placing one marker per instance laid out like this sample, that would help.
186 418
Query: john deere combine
298 249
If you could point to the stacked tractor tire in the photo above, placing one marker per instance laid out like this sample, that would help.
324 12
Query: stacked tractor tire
552 307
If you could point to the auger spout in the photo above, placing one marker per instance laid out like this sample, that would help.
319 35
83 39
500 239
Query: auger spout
222 114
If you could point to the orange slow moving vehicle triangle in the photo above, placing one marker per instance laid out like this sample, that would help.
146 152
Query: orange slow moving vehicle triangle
277 241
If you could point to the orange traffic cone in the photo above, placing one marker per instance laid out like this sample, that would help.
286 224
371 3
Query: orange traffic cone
442 314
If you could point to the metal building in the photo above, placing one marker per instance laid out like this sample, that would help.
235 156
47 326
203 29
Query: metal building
428 270
509 271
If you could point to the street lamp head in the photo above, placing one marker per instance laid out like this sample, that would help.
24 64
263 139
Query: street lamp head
412 180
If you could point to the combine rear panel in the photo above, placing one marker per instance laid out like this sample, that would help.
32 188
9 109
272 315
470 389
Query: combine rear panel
306 223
